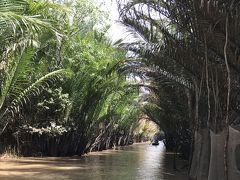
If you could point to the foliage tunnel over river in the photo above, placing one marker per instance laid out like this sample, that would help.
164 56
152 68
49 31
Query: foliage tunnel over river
65 89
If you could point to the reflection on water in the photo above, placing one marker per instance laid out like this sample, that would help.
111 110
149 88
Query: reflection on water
140 162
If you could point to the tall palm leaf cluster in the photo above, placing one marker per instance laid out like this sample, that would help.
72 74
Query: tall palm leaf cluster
61 92
188 52
19 31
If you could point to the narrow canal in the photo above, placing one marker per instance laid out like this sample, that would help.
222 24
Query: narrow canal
139 161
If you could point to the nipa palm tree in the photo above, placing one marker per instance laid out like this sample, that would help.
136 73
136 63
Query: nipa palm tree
19 31
194 44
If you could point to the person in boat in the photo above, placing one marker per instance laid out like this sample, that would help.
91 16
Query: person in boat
155 140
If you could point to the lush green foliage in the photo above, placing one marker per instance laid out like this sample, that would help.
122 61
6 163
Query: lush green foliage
187 53
60 80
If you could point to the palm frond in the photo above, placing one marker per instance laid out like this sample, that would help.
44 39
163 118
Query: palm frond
33 90
17 72
17 22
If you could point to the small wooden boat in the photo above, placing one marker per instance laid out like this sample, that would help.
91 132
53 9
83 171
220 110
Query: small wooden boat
155 143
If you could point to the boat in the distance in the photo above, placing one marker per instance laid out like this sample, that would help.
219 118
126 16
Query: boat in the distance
155 142
160 136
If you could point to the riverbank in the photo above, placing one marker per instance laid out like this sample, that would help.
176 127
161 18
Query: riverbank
139 161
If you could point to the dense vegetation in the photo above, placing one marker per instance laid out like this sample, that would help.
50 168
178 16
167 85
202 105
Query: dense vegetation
65 90
62 91
188 53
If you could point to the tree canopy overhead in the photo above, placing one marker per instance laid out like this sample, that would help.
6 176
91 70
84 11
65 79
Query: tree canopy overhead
189 50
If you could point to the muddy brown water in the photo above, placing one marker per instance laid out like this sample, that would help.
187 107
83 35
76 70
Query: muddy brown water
135 162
